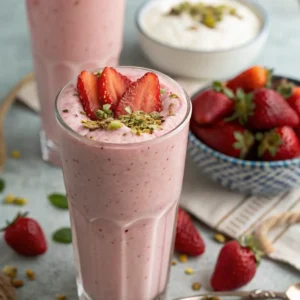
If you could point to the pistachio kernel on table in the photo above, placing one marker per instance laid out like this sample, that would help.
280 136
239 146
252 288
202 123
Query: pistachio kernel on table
20 201
30 274
10 271
183 258
220 238
61 297
17 283
196 286
15 154
174 263
9 199
189 271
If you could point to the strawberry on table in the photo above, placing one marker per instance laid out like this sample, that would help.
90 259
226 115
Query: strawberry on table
143 94
230 138
111 86
263 110
251 79
88 93
25 236
236 265
187 240
213 104
279 144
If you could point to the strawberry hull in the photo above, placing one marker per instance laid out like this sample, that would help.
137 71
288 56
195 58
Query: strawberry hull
123 192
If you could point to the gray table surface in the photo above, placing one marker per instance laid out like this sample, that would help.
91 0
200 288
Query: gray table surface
32 178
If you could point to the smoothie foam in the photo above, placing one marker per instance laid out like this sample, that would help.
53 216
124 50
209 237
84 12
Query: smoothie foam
123 192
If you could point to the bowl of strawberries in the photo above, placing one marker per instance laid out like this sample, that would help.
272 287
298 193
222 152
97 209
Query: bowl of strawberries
244 133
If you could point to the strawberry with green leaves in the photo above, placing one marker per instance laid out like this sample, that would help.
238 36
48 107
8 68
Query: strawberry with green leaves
236 265
25 236
213 104
229 138
278 144
263 110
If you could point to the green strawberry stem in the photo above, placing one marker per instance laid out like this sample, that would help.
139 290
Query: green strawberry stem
270 141
8 223
250 242
219 87
244 141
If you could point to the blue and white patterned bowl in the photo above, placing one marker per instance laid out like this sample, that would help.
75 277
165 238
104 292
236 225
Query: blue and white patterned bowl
245 176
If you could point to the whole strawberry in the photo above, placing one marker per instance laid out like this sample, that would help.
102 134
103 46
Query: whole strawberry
213 104
236 265
279 144
229 138
187 240
25 236
251 79
263 110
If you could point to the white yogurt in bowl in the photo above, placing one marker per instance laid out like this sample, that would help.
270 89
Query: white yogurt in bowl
184 32
184 43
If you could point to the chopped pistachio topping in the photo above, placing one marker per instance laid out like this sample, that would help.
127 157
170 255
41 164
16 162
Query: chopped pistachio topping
93 125
162 91
105 112
114 125
65 110
128 109
98 74
174 96
207 15
83 113
170 110
140 122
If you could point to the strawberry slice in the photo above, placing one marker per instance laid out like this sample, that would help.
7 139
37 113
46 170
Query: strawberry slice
111 86
143 94
88 93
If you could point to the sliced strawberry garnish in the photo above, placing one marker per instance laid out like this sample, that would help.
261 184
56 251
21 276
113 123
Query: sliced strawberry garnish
143 94
88 93
111 86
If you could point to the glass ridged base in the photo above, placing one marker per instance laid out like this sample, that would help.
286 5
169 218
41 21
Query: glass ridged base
50 151
84 296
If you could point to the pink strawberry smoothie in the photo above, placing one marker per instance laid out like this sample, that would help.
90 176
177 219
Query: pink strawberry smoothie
123 190
64 43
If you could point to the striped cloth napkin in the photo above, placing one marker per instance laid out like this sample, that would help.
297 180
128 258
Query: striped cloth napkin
224 210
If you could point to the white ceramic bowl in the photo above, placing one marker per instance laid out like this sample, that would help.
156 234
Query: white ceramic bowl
203 64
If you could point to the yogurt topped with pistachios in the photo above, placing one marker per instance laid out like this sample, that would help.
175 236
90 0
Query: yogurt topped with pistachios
200 24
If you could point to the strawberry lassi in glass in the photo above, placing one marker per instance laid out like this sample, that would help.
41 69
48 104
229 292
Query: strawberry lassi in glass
123 137
68 36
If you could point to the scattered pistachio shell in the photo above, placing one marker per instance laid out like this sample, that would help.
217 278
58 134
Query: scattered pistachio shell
183 258
189 271
196 286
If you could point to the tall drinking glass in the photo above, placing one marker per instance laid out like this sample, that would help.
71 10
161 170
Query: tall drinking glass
123 200
68 36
